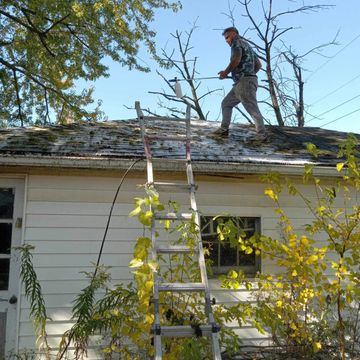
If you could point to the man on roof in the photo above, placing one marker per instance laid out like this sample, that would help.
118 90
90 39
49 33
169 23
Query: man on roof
243 66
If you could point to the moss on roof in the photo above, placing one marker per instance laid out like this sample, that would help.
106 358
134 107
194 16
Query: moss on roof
122 139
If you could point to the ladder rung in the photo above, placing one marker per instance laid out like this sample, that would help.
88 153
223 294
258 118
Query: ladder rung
173 216
167 138
184 331
180 287
175 249
165 185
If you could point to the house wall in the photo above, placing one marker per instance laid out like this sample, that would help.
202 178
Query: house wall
66 218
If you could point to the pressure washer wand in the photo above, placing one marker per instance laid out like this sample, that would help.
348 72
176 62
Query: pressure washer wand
177 87
195 79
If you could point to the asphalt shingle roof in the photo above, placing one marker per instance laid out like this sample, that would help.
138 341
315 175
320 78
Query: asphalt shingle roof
122 140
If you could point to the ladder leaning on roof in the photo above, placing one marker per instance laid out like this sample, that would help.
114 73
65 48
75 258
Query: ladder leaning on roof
210 329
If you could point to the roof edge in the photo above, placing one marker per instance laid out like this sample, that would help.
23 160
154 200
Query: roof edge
206 167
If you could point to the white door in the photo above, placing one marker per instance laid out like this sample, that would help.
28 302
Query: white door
11 210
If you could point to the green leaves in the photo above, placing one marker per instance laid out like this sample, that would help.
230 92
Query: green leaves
143 207
271 194
313 150
146 217
339 166
304 281
83 311
47 46
136 263
33 293
141 247
308 168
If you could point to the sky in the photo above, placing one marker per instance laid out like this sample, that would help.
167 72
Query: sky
332 79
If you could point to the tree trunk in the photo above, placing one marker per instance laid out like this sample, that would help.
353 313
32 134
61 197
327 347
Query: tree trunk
274 99
300 110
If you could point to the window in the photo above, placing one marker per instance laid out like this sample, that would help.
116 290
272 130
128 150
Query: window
7 196
225 257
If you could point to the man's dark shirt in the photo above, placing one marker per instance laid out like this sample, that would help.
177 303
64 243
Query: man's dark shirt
246 67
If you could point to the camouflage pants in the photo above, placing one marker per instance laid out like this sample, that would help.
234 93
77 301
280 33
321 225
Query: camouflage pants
244 91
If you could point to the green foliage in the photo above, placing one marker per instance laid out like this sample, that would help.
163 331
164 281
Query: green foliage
46 46
182 308
313 303
82 311
116 315
22 355
33 294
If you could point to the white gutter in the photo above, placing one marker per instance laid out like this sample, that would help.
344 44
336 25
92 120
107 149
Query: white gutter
163 164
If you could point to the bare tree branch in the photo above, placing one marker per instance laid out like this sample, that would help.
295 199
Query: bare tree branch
286 94
42 82
186 68
18 98
18 21
304 9
208 93
47 114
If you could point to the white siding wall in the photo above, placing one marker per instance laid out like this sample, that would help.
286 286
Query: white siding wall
66 218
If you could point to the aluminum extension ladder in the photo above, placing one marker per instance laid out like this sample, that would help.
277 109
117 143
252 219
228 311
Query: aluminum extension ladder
210 329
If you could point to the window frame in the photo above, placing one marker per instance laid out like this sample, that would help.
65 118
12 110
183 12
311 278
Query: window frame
218 269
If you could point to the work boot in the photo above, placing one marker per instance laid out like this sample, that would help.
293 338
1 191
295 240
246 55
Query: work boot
261 136
221 132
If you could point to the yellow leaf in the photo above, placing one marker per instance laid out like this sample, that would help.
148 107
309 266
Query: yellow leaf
292 237
154 266
144 241
284 248
304 241
294 273
292 243
248 285
316 346
98 6
248 250
135 263
312 259
78 10
136 211
144 219
149 285
116 312
349 298
149 318
242 247
269 192
339 166
232 274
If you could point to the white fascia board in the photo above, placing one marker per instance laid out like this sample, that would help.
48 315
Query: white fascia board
206 167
